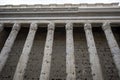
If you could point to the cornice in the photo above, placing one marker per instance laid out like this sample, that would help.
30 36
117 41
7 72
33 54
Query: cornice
97 11
82 5
59 8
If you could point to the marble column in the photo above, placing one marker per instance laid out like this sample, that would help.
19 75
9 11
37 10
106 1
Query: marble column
8 45
70 59
20 70
112 43
94 58
46 64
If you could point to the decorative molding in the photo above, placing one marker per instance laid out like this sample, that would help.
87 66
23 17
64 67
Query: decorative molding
60 5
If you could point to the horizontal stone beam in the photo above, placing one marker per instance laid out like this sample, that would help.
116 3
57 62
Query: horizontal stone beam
63 18
58 21
60 5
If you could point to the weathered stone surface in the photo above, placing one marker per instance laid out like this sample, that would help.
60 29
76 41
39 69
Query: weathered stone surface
8 45
34 64
67 57
106 59
46 65
8 70
20 70
115 50
94 58
70 59
82 62
58 63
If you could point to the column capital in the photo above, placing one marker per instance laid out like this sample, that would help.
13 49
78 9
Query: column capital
51 26
1 27
69 26
33 26
106 25
87 26
16 26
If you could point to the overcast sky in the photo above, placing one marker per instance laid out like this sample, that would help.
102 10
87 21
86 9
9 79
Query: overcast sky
16 2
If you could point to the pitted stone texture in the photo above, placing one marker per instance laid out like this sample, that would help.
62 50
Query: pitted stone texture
8 45
10 66
21 66
46 64
83 69
36 56
106 59
58 66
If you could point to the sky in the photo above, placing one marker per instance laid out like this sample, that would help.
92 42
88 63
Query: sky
17 2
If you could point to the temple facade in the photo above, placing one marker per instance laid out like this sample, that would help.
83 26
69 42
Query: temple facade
60 42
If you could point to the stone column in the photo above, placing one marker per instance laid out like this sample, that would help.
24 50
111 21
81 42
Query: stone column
114 48
46 64
94 59
8 45
1 27
20 70
70 59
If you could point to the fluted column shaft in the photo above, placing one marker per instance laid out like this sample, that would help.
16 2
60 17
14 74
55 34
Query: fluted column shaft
8 45
114 48
46 64
20 70
70 59
94 59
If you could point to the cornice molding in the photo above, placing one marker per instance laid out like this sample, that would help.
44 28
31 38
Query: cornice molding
61 5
